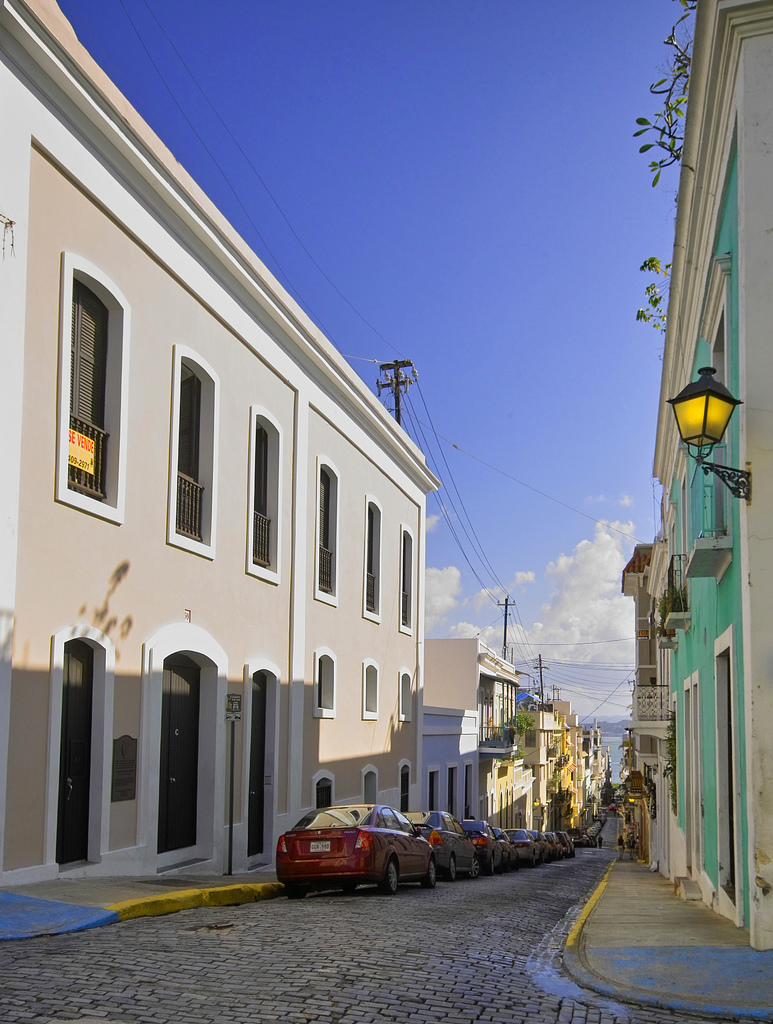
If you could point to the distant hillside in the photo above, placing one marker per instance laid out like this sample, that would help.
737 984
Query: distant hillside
613 728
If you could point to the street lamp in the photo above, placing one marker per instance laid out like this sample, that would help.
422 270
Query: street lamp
703 410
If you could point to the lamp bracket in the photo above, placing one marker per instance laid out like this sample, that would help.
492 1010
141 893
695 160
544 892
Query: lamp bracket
737 481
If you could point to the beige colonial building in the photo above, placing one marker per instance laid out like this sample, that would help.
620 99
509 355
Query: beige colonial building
208 525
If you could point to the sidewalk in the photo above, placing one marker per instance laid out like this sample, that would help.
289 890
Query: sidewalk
636 941
72 904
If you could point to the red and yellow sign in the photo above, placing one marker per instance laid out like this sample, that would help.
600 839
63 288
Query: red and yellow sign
81 452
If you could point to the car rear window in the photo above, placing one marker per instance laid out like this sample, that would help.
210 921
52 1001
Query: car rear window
518 833
336 817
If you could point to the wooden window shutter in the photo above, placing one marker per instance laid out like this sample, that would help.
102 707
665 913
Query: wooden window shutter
261 470
324 508
190 406
88 356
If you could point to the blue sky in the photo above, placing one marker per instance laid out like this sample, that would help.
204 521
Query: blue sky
454 182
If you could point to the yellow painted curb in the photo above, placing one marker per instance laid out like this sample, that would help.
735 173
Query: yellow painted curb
574 935
187 899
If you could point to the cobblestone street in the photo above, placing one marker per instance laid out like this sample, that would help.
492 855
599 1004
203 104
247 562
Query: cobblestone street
483 951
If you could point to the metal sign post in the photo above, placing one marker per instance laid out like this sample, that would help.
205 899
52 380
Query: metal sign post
233 714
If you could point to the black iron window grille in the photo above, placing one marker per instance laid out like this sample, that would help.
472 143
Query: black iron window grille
92 484
325 570
189 495
261 539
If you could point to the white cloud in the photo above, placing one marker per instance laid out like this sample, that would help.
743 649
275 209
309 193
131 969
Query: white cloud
441 594
432 522
522 578
626 501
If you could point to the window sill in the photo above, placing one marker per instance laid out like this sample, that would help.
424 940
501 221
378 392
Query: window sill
100 509
371 616
370 716
262 572
325 598
324 713
196 547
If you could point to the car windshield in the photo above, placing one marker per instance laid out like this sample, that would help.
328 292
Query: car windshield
337 817
475 826
518 833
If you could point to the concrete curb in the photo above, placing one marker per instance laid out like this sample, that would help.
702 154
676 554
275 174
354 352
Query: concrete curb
188 899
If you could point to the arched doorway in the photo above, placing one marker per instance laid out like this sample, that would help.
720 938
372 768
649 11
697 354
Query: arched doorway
179 761
256 804
72 833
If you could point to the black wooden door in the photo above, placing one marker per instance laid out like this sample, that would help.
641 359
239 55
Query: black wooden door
255 809
179 766
72 834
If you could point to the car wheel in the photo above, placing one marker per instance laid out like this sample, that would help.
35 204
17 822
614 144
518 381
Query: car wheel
430 879
294 892
506 864
451 872
489 869
349 887
388 884
474 868
516 863
535 861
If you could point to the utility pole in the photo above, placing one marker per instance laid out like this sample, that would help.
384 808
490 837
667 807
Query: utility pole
540 666
396 380
504 634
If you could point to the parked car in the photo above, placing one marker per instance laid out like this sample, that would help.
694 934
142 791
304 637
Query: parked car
578 837
509 853
352 845
454 851
527 849
566 842
556 849
488 850
541 841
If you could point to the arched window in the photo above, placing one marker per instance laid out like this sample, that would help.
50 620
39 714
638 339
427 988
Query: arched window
372 580
324 684
406 698
406 580
193 493
369 691
370 787
327 533
264 496
93 359
323 792
405 782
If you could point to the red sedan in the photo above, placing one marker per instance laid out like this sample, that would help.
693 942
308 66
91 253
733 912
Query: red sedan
353 845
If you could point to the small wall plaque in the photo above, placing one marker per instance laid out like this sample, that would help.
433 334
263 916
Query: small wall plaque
124 783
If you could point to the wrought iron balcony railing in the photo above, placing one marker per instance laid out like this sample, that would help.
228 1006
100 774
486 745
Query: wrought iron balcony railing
652 703
325 570
261 539
370 592
79 479
189 505
405 608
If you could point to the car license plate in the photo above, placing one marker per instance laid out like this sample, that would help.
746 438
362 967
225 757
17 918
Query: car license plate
319 846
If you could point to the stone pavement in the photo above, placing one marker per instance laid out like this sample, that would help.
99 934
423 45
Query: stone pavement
638 942
635 941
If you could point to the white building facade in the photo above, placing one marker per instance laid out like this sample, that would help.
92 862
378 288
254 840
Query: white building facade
209 527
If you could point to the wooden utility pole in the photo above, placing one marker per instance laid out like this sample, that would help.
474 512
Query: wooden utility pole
504 634
540 666
396 380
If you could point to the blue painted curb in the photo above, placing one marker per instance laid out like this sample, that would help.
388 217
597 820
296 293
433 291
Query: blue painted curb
23 917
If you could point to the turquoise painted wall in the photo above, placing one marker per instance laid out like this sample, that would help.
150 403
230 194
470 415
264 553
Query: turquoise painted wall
714 606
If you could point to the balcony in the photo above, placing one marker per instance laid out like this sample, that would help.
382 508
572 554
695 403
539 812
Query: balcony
370 592
712 550
497 741
651 710
674 604
189 494
261 537
325 570
87 474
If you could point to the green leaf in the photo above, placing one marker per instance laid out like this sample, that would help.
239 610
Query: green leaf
649 145
656 179
642 120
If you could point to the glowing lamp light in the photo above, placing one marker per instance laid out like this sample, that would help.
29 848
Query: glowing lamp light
703 410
